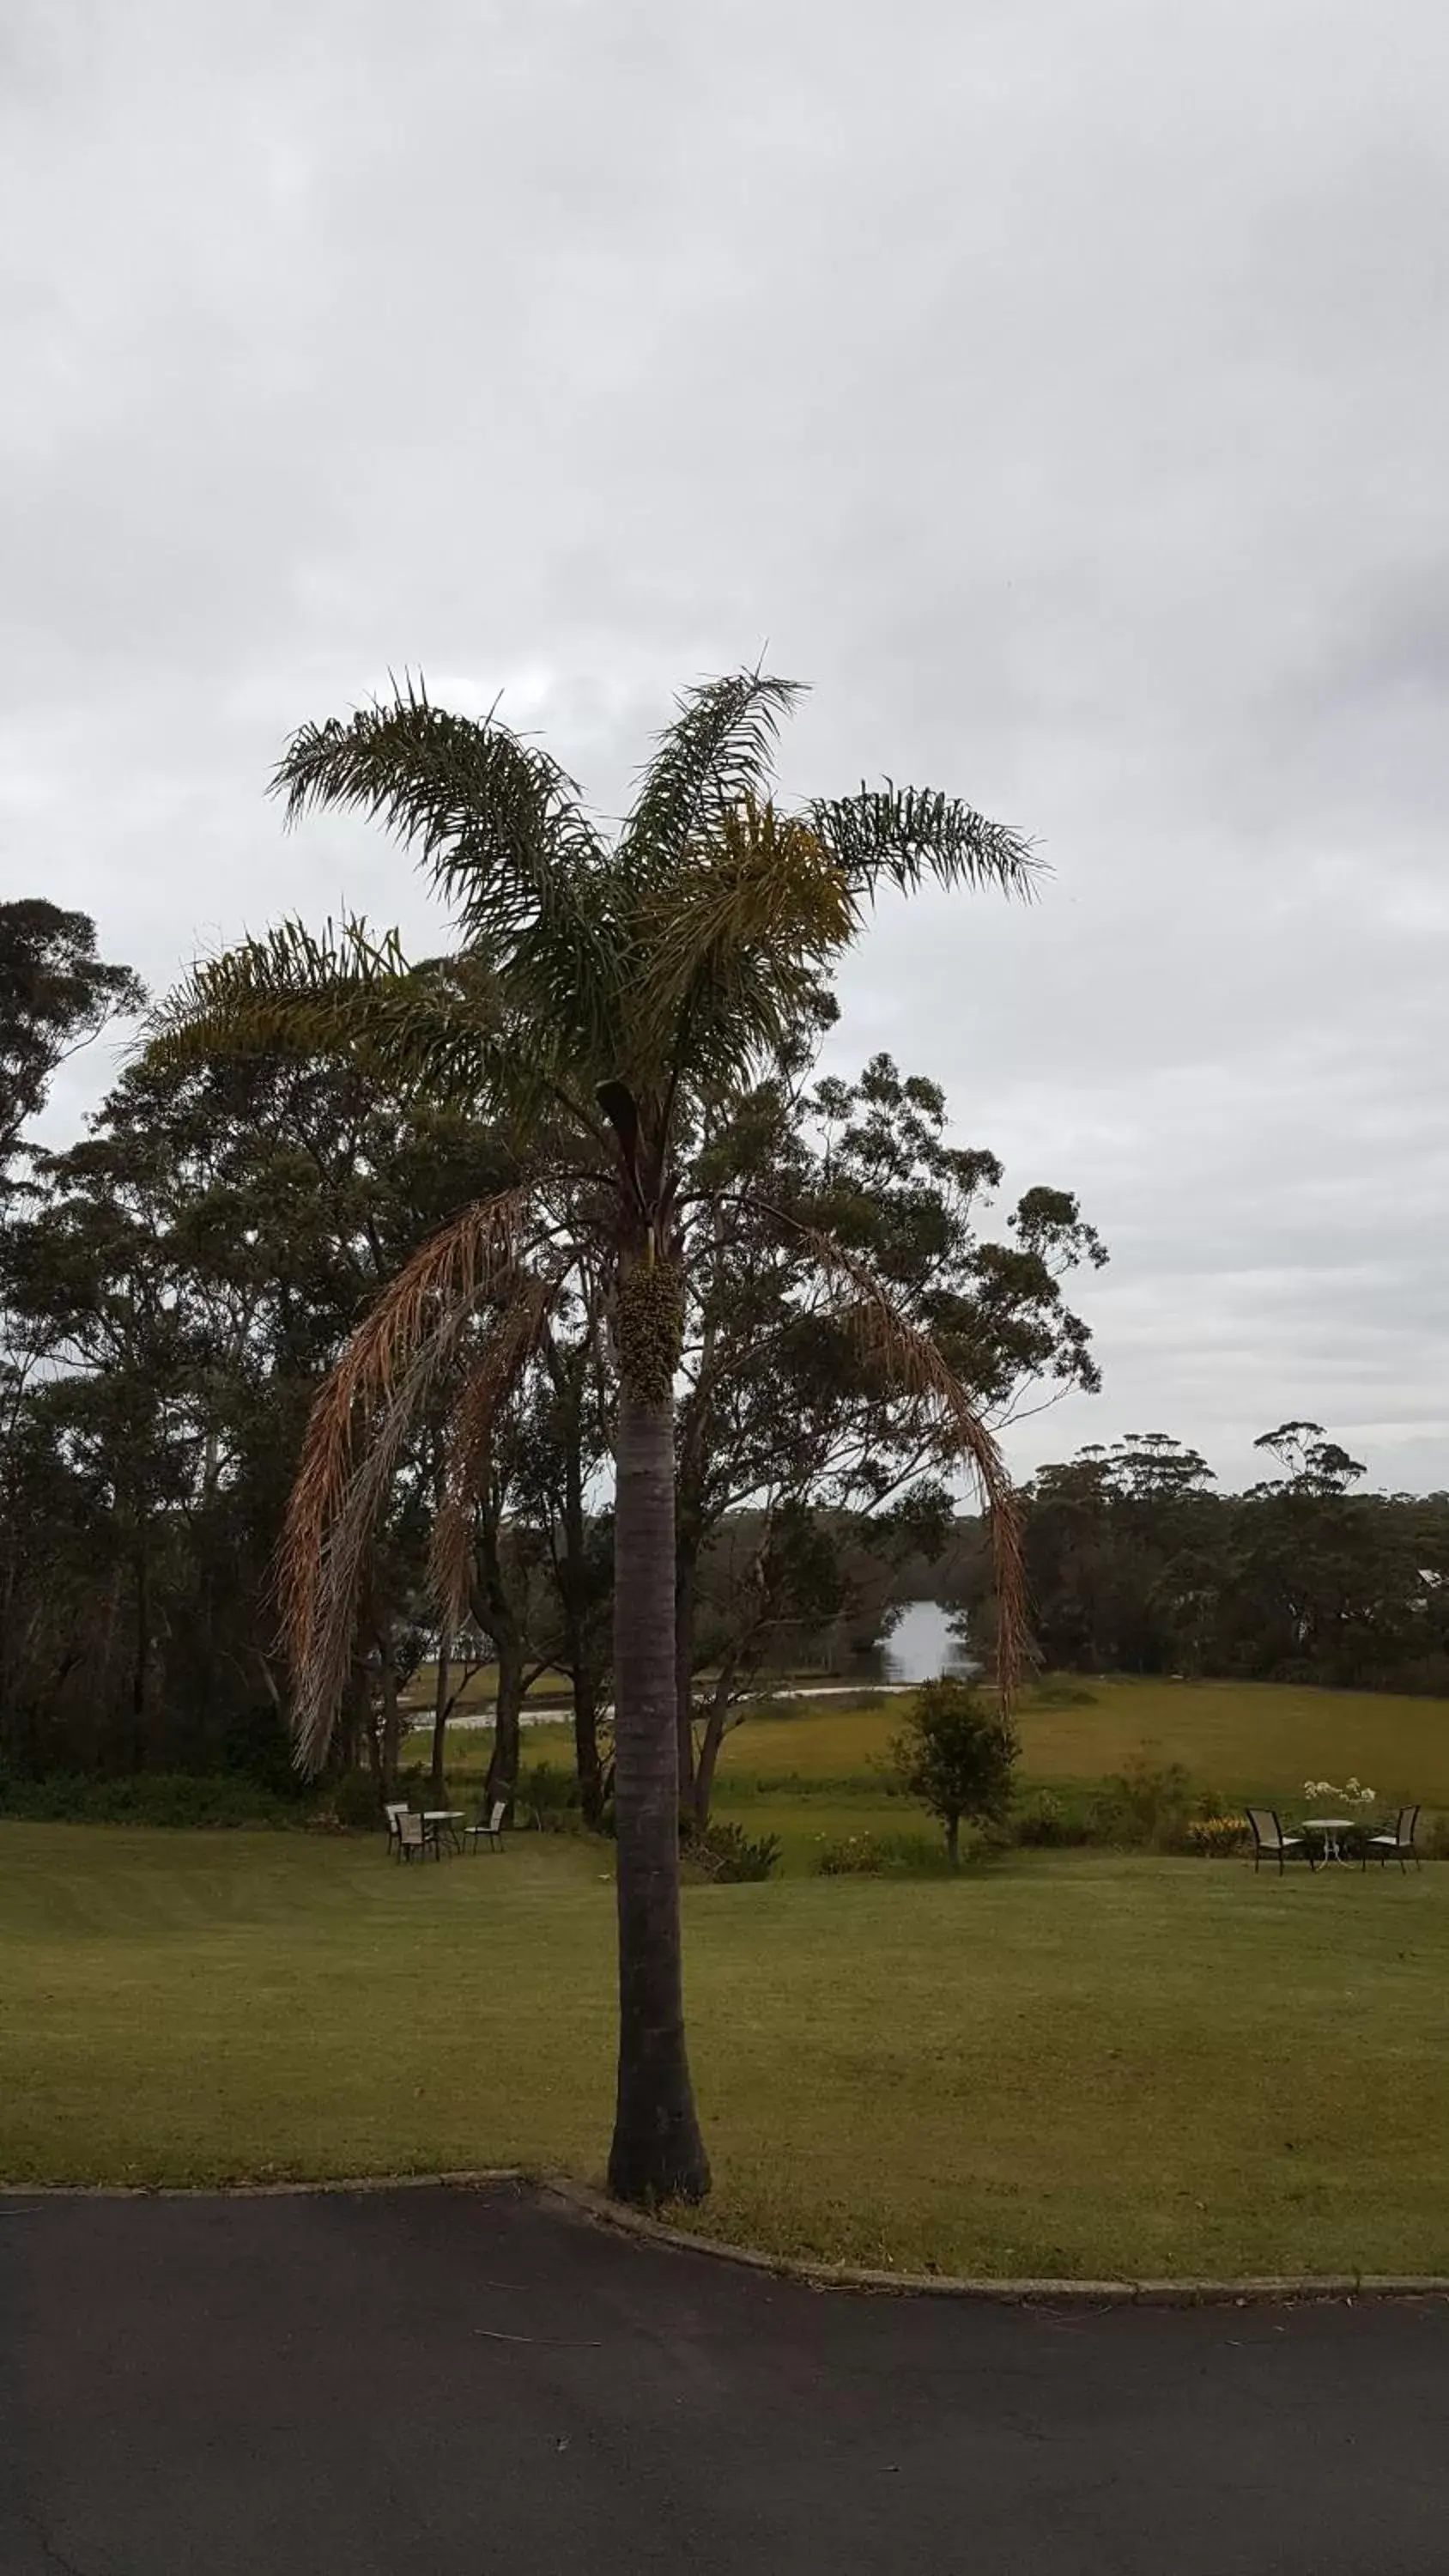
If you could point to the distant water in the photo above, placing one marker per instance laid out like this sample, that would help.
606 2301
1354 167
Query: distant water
921 1646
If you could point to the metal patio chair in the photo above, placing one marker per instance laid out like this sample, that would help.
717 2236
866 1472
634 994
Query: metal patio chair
1271 1843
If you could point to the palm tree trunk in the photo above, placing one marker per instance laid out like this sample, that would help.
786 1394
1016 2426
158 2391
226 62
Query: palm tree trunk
657 2152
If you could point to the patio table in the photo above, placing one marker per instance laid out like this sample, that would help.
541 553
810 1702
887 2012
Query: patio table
1330 1827
444 1820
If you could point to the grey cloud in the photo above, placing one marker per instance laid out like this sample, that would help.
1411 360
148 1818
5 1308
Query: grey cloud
1060 388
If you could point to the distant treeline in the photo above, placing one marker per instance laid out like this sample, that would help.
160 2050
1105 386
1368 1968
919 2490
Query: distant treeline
1137 1565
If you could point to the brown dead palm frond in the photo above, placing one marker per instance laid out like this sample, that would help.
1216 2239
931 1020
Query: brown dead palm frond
319 1621
455 1267
913 1360
470 1434
394 1354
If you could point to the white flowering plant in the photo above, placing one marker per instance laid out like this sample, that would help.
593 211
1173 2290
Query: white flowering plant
1352 1794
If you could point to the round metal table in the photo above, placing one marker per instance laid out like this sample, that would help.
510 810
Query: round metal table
1329 1828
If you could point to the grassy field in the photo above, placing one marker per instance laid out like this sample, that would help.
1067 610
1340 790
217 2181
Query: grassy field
819 1772
1245 1739
1058 2064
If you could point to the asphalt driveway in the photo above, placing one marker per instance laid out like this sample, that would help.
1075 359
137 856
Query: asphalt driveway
451 2382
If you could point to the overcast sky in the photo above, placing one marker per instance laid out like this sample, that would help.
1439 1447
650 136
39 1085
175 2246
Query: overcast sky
1060 386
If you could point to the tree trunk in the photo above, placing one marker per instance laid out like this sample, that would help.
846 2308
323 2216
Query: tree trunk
502 1781
953 1840
714 1735
391 1722
142 1655
586 1742
657 2152
501 1621
437 1774
574 1589
686 1565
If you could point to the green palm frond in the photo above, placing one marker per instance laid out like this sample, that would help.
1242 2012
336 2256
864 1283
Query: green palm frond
737 942
902 835
500 828
441 1028
289 993
718 752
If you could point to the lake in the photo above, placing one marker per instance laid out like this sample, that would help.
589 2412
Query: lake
920 1648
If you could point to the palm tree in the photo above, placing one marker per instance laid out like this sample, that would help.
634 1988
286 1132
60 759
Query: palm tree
605 987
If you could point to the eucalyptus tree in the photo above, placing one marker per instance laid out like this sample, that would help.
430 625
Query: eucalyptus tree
605 988
779 1414
56 995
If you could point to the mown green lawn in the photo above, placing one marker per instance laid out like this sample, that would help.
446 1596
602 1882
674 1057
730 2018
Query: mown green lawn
1073 2064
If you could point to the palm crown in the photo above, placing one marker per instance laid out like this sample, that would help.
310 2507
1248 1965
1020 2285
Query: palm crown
601 990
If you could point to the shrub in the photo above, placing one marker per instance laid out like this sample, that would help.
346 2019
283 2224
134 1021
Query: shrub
550 1797
1148 1807
357 1802
1216 1837
1043 1823
855 1856
177 1798
256 1743
884 1856
957 1756
730 1856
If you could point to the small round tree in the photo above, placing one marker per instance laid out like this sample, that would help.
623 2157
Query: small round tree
958 1757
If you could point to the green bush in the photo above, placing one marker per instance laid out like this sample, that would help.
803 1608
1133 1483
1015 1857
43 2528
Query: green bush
178 1798
550 1787
728 1855
1150 1807
549 1798
357 1802
884 1856
256 1743
1043 1823
958 1757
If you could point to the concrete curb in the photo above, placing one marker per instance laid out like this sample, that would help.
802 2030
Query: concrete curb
581 2201
1003 2292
